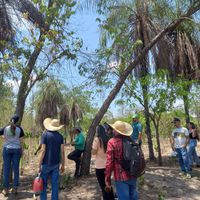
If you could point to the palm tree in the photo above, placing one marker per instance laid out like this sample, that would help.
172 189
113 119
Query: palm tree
123 76
10 7
50 99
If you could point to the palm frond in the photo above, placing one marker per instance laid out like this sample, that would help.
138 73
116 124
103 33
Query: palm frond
64 115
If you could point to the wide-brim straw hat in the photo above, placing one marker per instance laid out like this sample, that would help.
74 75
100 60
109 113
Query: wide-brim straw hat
52 124
122 128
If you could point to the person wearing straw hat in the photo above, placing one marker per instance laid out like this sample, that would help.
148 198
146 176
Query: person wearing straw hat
52 154
125 184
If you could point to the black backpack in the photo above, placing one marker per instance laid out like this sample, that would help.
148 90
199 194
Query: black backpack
133 158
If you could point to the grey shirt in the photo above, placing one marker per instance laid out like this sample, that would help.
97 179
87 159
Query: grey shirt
12 141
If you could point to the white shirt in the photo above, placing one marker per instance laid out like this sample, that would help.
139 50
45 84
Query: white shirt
179 135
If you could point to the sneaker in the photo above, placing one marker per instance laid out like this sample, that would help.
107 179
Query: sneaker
188 175
5 192
14 191
181 174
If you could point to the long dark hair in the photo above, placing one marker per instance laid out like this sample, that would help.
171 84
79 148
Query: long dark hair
12 127
103 137
193 126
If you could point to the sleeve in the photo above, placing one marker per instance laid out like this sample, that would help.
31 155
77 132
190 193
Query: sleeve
140 128
79 140
43 138
2 131
95 144
21 132
109 161
186 132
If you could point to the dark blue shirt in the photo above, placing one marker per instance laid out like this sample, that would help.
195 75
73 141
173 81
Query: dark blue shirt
53 141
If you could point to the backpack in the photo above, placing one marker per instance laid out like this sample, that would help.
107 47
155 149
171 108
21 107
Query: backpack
133 158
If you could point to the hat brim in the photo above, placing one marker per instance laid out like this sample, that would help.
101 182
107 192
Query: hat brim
48 126
127 133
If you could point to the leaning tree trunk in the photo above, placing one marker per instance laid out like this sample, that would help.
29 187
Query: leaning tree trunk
85 167
21 99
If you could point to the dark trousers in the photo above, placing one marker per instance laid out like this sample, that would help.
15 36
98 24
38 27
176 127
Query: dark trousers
100 173
75 156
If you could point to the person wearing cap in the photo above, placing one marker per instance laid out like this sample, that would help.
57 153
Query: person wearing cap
79 144
52 158
12 152
179 142
125 184
137 129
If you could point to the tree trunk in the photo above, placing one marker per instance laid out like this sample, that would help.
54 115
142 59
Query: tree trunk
21 99
186 104
85 167
158 145
144 67
147 120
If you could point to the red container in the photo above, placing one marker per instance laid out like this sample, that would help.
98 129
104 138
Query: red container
37 185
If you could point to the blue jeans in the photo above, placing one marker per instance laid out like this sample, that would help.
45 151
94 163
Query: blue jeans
127 190
192 154
183 160
11 156
53 172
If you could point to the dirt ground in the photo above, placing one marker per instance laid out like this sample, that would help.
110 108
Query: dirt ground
157 183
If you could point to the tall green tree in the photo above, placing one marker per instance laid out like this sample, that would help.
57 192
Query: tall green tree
40 48
123 76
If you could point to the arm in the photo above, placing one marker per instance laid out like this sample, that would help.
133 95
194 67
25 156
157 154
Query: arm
42 157
140 132
187 141
172 142
95 146
39 147
62 168
109 164
187 138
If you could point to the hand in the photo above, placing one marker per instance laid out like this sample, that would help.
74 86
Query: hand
108 188
62 169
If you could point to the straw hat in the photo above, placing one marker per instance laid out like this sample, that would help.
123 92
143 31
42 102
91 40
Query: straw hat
122 128
52 124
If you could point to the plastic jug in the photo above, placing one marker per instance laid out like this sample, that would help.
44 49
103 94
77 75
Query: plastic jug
37 185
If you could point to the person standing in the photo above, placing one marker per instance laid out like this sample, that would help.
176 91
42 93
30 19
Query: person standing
179 142
12 152
79 144
99 147
52 155
137 129
125 184
194 137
